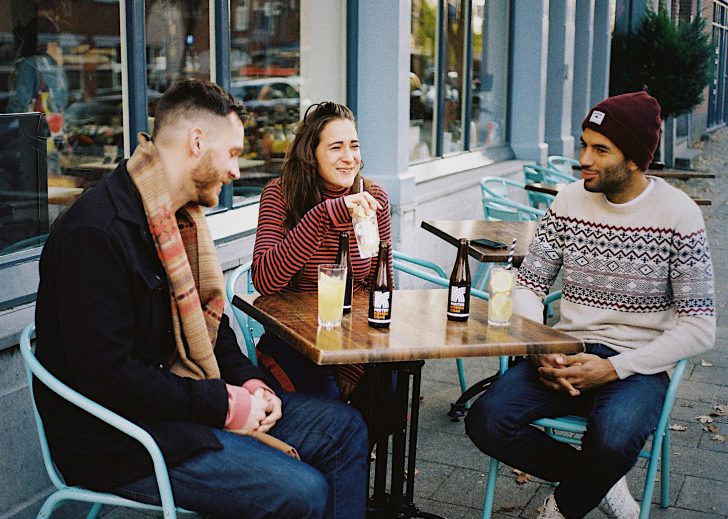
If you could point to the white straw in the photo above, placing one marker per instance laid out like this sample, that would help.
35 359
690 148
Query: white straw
361 184
511 252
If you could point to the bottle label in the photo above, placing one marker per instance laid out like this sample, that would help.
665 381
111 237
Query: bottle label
458 300
380 311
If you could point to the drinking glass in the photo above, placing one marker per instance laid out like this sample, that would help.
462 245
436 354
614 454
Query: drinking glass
331 288
500 292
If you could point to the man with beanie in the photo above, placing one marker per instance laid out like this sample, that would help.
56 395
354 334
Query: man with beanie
637 289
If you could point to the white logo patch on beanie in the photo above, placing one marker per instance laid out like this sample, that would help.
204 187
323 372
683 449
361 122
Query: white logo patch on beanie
596 117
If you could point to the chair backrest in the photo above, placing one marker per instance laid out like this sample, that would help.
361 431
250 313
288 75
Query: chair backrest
533 173
562 164
34 370
251 328
498 206
427 270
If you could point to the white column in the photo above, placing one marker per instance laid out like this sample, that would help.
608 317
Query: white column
323 53
601 50
583 49
383 103
560 76
528 101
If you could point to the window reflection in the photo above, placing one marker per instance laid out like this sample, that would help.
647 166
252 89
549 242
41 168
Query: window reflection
178 42
452 139
265 74
61 59
423 97
490 73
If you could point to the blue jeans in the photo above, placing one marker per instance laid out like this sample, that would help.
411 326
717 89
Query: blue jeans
320 381
621 416
248 479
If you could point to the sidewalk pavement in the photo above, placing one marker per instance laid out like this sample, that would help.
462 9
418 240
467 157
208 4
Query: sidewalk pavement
451 472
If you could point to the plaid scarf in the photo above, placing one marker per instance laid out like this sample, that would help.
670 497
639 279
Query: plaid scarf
185 247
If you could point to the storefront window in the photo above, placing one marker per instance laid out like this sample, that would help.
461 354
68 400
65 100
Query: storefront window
178 43
61 59
459 85
423 98
455 53
266 74
489 73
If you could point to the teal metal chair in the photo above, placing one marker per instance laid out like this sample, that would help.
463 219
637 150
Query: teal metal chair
533 173
36 372
659 452
252 329
497 202
27 243
432 272
563 164
499 207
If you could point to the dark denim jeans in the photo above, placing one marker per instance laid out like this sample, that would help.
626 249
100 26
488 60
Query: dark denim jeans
320 381
621 415
248 479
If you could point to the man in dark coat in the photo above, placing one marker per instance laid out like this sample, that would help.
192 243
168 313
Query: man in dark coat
129 313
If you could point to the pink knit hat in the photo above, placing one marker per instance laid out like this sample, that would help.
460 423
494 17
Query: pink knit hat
632 122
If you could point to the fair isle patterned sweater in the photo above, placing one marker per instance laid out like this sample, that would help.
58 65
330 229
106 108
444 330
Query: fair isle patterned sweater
637 276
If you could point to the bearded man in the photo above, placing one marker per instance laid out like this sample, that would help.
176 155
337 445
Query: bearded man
637 289
130 314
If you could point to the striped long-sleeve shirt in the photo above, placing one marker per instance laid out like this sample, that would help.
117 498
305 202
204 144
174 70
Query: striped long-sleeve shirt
278 256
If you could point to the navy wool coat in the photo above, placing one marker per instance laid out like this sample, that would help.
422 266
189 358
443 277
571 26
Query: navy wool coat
104 328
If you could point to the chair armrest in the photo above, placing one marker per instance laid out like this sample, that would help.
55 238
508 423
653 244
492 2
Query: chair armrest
100 412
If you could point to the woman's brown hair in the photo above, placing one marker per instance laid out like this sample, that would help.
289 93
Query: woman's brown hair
300 181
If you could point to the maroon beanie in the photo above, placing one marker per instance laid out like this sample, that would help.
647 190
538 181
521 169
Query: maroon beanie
632 122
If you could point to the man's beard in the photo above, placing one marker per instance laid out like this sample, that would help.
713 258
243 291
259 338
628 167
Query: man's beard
207 181
609 181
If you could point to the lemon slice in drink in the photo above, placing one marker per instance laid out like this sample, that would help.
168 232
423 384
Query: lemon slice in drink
501 281
501 307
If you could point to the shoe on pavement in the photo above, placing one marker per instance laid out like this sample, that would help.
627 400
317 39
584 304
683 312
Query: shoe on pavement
550 510
619 503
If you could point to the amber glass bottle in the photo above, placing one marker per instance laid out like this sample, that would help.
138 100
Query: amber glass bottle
380 296
343 257
458 304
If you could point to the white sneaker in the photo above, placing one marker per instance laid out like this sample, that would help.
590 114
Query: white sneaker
619 503
550 510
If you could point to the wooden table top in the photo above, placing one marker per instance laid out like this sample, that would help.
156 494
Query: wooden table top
63 195
679 174
549 189
504 232
292 316
553 189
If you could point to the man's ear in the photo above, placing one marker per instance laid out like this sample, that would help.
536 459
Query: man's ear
195 138
633 167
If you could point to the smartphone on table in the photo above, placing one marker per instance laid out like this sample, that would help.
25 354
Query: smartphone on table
489 243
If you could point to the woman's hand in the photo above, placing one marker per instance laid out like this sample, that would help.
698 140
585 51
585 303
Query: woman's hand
362 202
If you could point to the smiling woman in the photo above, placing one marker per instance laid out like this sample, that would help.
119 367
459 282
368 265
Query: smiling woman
301 216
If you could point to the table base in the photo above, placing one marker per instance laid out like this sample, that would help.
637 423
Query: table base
399 502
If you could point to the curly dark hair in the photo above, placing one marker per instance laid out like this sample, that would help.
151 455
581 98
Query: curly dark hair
301 183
